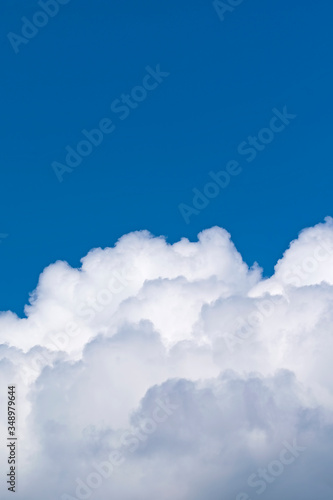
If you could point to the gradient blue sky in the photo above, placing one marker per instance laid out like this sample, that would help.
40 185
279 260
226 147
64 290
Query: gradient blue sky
225 78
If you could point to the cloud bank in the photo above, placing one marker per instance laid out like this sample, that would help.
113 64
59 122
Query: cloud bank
175 371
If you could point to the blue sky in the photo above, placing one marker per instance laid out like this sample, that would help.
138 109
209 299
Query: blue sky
224 80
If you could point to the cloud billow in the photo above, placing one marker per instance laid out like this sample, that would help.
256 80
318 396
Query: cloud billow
176 371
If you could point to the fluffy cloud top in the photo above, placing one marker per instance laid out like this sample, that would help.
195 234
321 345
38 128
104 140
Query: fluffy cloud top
175 371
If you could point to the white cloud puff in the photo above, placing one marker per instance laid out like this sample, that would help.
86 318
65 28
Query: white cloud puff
175 371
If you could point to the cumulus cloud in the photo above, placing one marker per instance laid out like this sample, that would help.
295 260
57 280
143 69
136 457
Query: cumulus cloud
175 371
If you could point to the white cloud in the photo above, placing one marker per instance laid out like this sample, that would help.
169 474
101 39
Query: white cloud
238 365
